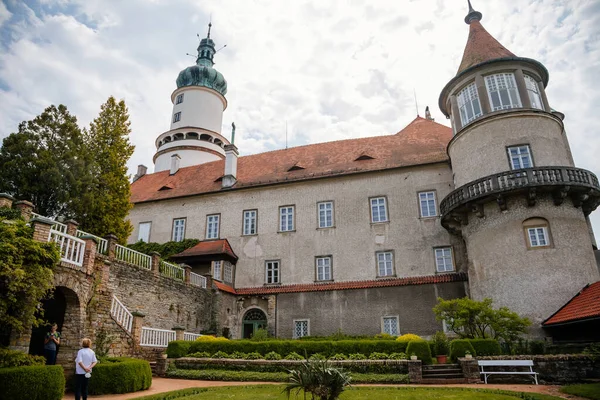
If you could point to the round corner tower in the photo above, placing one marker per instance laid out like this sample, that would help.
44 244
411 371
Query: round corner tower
520 204
198 106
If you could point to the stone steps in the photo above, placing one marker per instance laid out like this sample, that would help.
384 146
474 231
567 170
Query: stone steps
153 368
442 374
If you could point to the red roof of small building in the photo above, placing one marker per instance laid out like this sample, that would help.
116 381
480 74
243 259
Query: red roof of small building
224 287
585 305
206 248
481 47
320 287
421 142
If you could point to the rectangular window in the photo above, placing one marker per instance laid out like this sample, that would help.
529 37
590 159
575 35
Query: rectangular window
301 328
176 117
250 222
144 231
502 91
272 272
520 157
443 259
217 270
390 326
228 273
286 218
325 210
533 90
468 104
212 226
538 236
378 210
427 204
178 230
385 263
324 269
179 99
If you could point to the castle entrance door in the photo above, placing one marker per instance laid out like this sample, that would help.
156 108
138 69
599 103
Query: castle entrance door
253 320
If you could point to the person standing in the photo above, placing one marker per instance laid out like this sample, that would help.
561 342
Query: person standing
51 342
85 361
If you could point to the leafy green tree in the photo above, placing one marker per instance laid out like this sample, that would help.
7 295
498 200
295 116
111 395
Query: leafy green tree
107 203
26 274
471 319
46 162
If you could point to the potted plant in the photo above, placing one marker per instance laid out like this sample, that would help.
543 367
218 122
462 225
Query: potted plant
413 357
468 355
441 347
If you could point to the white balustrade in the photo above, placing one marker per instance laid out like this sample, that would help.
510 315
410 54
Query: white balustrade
121 314
197 280
190 336
102 243
57 226
133 257
156 337
172 271
71 248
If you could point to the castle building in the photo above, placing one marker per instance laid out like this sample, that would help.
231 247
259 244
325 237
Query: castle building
364 235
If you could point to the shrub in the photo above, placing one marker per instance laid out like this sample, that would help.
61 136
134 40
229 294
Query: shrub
220 354
384 336
338 357
378 356
260 335
165 249
253 356
485 347
420 348
317 357
397 356
36 382
120 375
294 356
238 355
9 214
440 344
201 354
408 337
357 356
593 350
319 379
459 347
272 356
14 358
536 347
211 338
178 348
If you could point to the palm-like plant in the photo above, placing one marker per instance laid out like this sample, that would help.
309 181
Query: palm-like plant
319 379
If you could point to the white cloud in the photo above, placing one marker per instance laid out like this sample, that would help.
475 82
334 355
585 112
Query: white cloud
332 70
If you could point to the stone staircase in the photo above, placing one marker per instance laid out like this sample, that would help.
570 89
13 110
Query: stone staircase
153 367
443 374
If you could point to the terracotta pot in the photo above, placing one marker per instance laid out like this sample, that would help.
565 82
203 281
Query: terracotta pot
442 359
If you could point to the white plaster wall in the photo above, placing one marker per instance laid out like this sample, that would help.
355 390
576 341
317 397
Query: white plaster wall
201 107
352 243
188 157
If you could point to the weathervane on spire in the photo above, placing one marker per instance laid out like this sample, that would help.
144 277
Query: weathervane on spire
472 15
209 26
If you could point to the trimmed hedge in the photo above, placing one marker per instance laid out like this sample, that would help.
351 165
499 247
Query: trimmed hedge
120 375
420 348
285 347
38 382
459 347
486 347
14 358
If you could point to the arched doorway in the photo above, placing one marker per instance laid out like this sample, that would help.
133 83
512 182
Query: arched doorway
253 319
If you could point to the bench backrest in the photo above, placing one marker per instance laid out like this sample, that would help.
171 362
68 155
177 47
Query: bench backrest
506 363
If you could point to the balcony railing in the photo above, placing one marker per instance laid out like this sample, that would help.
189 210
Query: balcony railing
133 257
519 179
172 271
71 248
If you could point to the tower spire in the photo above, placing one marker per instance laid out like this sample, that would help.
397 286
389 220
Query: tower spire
206 50
472 15
209 26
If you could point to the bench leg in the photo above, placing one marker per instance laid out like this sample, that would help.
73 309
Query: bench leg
536 381
485 378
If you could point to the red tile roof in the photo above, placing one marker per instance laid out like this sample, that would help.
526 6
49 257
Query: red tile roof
585 305
320 287
481 46
224 287
206 248
421 142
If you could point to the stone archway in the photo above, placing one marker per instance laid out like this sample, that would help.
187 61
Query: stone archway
253 319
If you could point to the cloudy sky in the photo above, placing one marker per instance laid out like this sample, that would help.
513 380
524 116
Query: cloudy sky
331 69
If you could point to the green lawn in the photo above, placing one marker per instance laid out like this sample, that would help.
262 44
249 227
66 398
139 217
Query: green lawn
274 392
589 391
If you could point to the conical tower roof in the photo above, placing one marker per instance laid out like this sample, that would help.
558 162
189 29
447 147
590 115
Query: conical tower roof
481 47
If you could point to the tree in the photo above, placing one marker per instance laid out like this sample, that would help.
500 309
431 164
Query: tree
26 274
46 162
471 319
107 204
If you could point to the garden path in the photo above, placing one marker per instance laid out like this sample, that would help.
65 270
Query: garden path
161 385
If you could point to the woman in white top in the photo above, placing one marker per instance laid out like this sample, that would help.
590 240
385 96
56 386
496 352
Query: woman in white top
85 361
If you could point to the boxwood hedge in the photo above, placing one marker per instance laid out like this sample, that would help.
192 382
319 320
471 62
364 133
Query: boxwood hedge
38 382
307 348
120 375
459 347
486 347
419 348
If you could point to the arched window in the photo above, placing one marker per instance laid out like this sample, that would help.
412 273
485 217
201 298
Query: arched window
191 135
537 233
533 90
468 104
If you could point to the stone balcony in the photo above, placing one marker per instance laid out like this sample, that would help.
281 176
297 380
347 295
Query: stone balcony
579 184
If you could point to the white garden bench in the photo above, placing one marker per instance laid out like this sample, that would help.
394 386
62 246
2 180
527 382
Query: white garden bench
506 363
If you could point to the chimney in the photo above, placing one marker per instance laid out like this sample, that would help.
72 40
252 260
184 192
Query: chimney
428 114
142 169
231 156
174 163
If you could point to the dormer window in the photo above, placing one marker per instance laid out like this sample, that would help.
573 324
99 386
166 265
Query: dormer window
502 91
179 99
533 90
468 104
